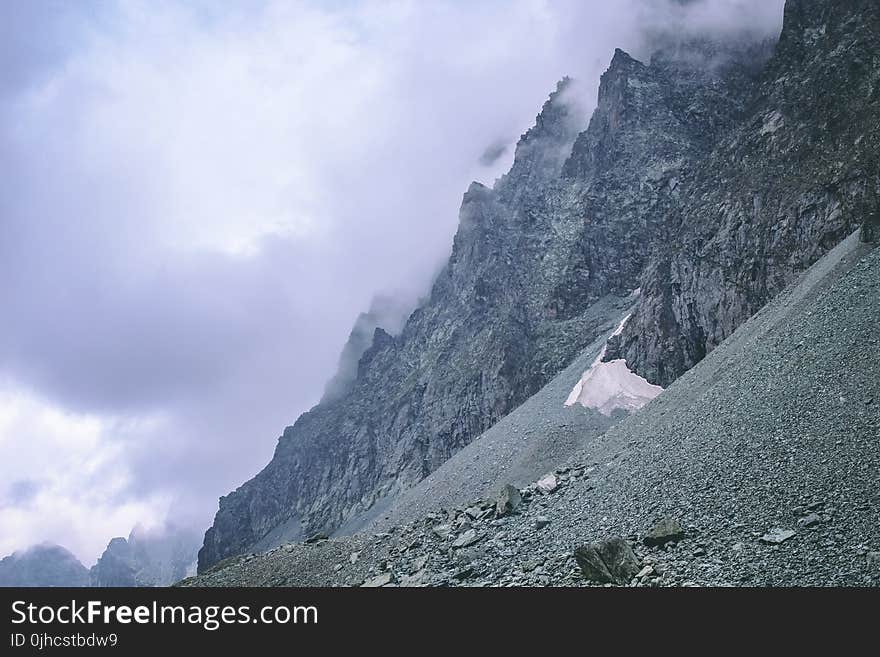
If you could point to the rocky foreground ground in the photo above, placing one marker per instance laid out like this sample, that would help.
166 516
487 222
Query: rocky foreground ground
758 467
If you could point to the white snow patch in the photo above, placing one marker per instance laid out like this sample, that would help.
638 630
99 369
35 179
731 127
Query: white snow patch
606 387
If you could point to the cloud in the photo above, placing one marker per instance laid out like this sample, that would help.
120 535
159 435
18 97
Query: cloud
198 200
78 472
494 152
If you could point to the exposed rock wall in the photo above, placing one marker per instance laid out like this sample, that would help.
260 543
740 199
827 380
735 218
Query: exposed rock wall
795 175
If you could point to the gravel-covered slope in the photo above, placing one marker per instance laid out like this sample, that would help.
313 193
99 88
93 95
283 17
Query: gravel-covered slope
777 429
532 440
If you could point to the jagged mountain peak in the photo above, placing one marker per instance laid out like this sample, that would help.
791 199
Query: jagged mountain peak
387 311
542 150
622 61
660 111
148 557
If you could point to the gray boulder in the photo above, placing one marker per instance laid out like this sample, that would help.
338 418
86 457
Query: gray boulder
466 539
548 483
611 561
664 531
777 535
508 500
378 581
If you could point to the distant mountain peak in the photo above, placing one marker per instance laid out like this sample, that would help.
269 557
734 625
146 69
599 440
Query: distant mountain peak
45 564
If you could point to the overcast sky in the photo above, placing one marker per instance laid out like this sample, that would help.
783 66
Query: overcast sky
198 198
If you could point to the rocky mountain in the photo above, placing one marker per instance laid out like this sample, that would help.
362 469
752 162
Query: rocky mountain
43 565
708 177
757 467
146 558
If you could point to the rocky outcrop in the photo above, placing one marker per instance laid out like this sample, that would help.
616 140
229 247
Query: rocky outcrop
508 500
666 530
116 567
385 313
43 565
611 561
707 176
780 188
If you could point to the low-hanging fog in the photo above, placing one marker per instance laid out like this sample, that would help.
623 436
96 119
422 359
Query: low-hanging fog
197 199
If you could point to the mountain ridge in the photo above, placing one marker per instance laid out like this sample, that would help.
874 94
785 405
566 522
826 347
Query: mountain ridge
632 205
45 564
763 458
146 558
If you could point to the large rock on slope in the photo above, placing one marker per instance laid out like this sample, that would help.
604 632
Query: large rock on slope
611 561
508 500
665 530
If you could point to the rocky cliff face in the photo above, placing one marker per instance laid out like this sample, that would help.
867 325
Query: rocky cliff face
43 565
787 182
708 176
